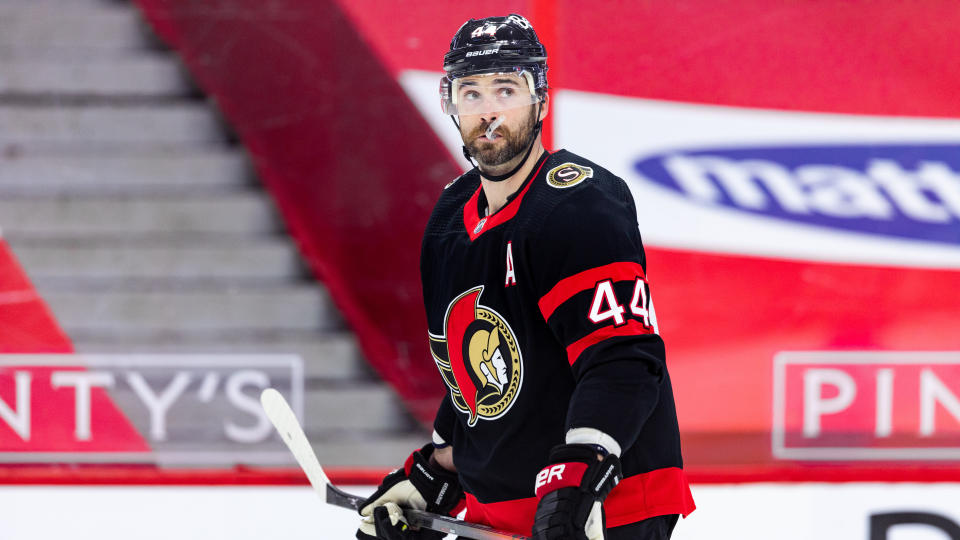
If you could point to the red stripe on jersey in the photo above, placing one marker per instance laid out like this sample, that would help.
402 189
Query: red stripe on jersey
471 219
514 516
588 279
632 328
656 493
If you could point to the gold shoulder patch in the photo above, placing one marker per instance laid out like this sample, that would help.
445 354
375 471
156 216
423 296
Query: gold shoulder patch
568 175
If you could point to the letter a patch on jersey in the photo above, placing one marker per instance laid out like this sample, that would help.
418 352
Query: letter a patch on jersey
511 274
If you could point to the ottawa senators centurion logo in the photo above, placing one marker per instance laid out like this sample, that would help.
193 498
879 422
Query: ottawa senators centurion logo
478 357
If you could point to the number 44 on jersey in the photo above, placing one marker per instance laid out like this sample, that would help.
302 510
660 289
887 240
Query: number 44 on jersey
605 305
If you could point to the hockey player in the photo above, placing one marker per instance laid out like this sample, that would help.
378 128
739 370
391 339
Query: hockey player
560 420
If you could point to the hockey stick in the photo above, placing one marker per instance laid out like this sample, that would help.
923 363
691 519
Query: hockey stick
286 423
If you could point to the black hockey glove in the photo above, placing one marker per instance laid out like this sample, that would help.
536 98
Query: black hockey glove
417 485
571 491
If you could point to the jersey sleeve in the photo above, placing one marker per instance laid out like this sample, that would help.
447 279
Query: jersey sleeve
443 423
595 297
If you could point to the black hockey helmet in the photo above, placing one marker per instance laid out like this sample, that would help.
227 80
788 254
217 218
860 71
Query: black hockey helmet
494 45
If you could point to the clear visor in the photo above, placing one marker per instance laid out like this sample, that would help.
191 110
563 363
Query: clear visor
490 92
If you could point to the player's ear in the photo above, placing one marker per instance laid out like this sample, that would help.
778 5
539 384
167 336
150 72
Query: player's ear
545 106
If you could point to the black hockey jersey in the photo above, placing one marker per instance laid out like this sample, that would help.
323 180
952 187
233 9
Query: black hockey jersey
541 321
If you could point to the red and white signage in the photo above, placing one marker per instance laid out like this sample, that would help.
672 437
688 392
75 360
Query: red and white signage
166 409
867 406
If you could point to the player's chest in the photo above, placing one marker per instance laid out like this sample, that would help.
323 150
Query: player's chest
482 319
495 264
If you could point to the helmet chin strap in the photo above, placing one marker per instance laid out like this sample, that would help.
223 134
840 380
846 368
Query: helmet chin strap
526 155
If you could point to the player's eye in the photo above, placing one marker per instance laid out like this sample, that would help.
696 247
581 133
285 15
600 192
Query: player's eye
471 95
505 92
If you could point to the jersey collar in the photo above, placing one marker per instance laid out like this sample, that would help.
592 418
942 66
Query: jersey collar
477 225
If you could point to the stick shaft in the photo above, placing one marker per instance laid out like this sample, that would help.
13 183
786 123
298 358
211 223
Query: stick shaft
285 421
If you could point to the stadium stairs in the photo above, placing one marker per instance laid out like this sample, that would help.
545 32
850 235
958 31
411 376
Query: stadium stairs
140 220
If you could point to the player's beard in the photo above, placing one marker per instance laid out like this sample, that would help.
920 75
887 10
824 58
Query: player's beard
491 153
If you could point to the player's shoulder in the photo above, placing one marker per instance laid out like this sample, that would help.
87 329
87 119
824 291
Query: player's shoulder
571 173
587 224
576 189
461 186
466 181
453 197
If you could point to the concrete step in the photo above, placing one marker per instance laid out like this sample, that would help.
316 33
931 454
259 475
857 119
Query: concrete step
230 214
107 3
81 25
125 173
11 3
256 261
374 450
369 406
143 76
103 126
336 449
67 6
326 357
333 408
72 54
170 315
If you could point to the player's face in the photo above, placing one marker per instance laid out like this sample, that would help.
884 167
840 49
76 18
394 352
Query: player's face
509 139
479 94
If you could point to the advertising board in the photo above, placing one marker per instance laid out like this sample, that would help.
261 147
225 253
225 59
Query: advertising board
165 409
